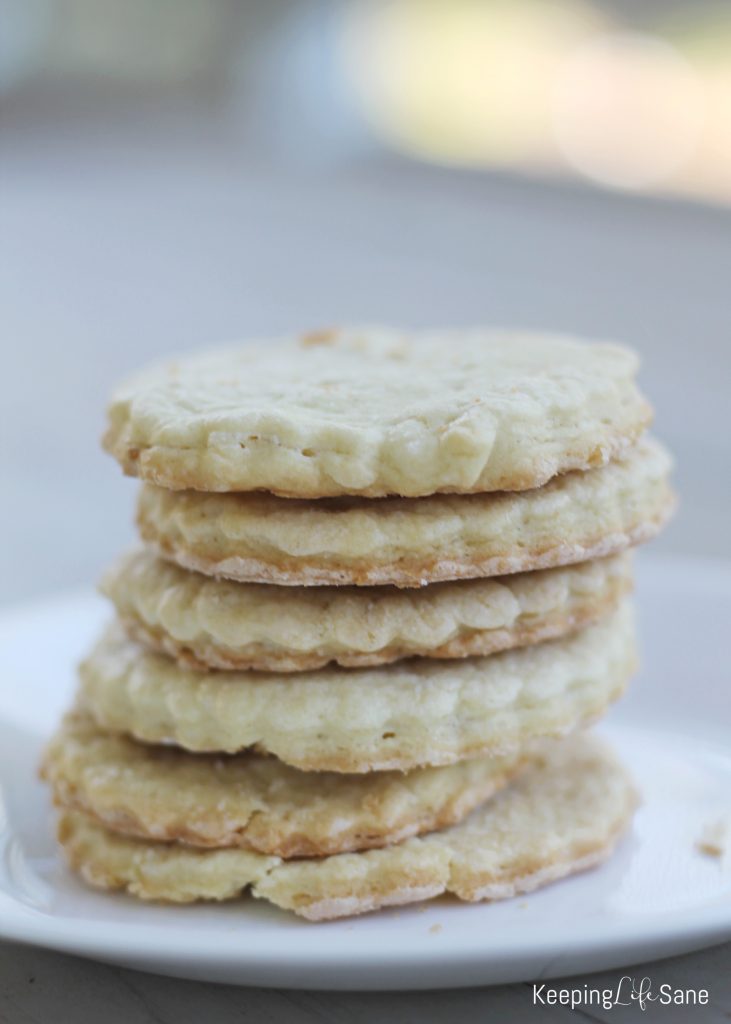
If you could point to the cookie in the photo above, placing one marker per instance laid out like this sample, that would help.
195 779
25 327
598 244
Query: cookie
205 622
375 412
257 803
261 538
402 716
563 815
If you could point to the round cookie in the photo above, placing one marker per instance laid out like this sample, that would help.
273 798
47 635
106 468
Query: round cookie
206 622
416 712
261 538
373 411
257 803
563 815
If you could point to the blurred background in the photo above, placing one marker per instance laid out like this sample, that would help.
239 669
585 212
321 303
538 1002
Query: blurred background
176 173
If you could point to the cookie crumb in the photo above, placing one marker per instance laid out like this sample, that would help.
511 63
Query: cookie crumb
323 336
435 929
715 838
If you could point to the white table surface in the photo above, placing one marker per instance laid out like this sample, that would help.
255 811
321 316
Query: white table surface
121 253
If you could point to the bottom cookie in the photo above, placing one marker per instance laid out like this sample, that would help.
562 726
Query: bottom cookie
561 816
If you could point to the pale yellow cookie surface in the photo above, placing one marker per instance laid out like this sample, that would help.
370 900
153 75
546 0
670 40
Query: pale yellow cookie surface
257 803
261 538
401 716
563 815
375 411
206 622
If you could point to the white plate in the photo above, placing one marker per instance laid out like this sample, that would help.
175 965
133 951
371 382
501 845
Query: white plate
658 896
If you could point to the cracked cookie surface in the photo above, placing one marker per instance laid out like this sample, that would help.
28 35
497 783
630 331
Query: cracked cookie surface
257 803
375 411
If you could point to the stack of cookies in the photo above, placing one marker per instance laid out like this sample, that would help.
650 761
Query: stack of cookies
382 587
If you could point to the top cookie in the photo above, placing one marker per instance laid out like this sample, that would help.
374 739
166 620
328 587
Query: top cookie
375 412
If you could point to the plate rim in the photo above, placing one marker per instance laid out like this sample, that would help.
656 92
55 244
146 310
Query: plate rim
667 936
